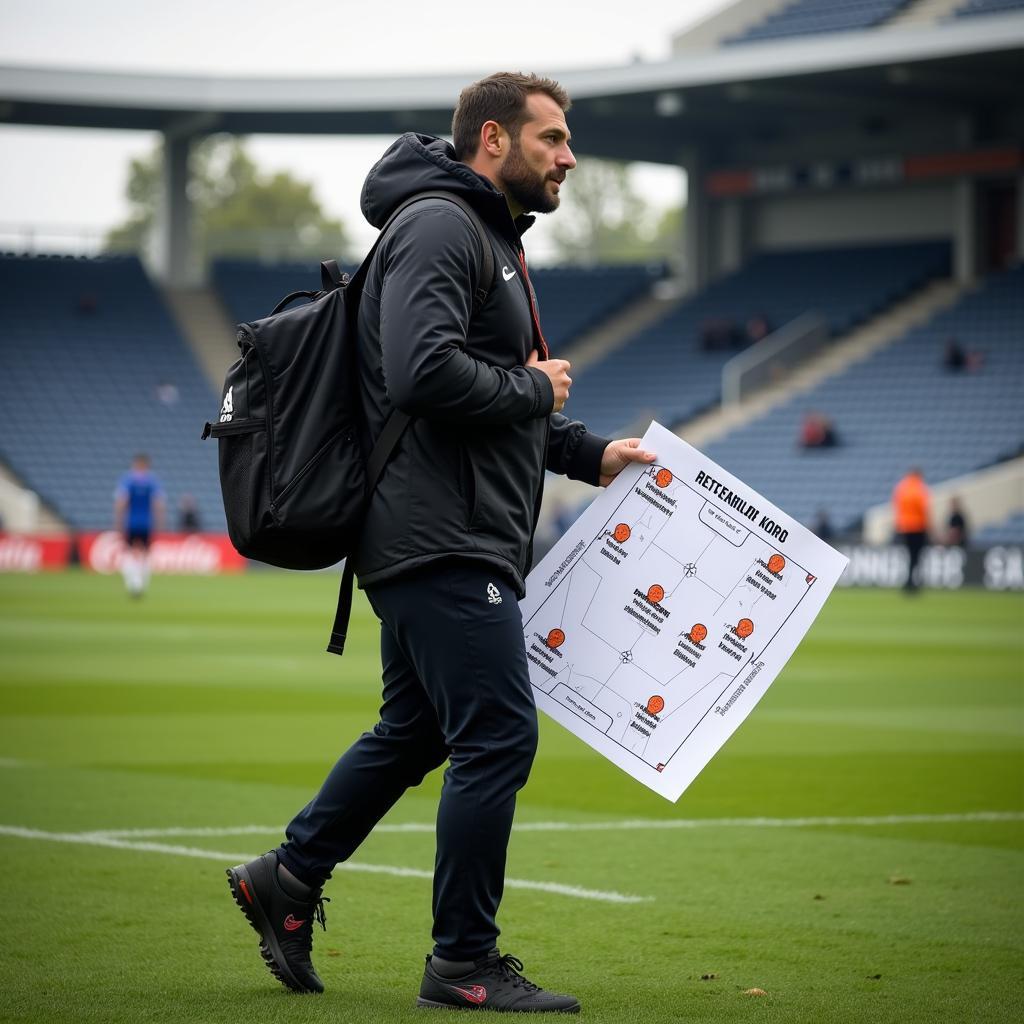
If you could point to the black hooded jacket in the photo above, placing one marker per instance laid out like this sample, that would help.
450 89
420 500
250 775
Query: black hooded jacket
467 477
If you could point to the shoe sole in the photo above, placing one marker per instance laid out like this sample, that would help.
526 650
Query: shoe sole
244 893
430 1004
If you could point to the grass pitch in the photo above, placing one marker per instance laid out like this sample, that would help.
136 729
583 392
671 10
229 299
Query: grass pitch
210 705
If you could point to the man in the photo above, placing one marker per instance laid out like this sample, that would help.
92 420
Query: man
139 506
957 532
911 504
448 536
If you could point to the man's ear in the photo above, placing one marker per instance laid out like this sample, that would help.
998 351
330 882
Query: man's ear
493 139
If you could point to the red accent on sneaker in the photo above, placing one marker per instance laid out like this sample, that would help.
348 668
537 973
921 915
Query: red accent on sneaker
245 889
475 994
291 924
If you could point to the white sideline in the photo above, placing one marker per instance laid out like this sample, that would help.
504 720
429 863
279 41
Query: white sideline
107 840
135 839
606 826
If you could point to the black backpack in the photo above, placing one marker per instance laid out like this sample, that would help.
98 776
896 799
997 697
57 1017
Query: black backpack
293 476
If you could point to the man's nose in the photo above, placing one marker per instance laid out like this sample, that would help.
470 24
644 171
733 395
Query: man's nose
566 159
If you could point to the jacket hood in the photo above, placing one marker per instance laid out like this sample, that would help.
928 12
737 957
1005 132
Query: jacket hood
423 163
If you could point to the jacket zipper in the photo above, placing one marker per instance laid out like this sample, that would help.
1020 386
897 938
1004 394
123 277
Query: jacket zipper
539 497
234 427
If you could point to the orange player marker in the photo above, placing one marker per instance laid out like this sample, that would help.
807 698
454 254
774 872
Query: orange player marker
656 594
621 533
555 639
698 632
776 563
744 628
655 705
664 477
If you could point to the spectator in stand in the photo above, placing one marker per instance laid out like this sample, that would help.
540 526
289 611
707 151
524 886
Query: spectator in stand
139 505
911 506
818 431
188 515
956 359
758 328
718 333
822 525
956 527
167 392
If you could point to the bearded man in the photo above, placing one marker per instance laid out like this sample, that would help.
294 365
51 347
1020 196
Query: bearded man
448 536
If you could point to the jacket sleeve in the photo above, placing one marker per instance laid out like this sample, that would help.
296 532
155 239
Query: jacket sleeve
430 273
574 451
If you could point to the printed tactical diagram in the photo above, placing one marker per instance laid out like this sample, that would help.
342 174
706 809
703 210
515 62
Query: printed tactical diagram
663 612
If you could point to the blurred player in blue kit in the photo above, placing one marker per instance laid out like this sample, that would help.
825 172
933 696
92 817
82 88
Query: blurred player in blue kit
139 506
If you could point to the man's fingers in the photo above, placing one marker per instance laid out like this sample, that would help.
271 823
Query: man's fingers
631 451
637 455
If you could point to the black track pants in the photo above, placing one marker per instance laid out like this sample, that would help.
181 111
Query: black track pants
456 688
915 543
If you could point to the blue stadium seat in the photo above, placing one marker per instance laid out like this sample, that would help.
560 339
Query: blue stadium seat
812 17
1009 531
975 7
571 299
898 408
666 373
85 345
250 289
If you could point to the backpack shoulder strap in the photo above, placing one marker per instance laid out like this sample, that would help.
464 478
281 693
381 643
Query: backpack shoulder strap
486 279
487 262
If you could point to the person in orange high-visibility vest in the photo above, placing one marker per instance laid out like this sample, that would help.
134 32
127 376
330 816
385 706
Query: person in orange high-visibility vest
911 502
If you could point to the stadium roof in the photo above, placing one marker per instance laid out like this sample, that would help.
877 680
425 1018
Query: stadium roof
639 111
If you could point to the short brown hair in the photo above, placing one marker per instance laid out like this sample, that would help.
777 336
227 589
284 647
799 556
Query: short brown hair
499 97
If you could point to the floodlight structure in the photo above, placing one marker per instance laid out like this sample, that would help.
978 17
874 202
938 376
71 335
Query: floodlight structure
901 130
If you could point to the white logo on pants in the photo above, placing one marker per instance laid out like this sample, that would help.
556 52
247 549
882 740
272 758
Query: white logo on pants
493 595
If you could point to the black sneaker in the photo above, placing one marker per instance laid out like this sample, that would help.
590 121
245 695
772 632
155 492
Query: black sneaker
494 983
285 924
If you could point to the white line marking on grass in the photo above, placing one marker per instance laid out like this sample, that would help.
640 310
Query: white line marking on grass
687 823
609 826
107 840
97 839
231 830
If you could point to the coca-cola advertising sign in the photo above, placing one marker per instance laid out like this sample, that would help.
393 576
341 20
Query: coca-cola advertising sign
32 552
185 553
182 553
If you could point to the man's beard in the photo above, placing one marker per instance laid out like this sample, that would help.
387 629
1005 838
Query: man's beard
524 185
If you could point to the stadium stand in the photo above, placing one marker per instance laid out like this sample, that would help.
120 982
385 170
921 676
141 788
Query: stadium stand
665 371
899 407
92 369
1009 531
969 10
572 299
811 17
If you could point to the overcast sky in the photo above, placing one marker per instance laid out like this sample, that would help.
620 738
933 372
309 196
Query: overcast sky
75 179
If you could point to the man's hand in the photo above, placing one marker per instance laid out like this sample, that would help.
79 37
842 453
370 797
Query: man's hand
618 455
557 371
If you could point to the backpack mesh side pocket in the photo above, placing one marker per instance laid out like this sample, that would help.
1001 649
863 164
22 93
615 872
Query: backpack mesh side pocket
241 447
